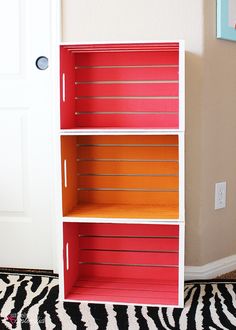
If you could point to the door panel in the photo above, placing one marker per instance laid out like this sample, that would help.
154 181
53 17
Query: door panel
26 136
12 178
11 43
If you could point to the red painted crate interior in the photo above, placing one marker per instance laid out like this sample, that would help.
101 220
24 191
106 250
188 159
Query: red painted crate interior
120 176
124 263
120 86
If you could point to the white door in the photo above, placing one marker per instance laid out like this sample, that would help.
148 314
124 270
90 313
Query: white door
26 134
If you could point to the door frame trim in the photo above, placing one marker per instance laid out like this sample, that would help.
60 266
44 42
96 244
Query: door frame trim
55 106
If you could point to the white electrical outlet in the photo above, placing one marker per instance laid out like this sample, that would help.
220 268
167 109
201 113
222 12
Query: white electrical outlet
220 195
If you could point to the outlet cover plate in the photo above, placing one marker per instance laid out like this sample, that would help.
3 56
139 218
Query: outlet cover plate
220 195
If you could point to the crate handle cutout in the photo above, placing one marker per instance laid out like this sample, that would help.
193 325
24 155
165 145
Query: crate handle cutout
67 256
65 173
63 87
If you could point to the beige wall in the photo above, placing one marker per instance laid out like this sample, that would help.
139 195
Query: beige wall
218 228
210 83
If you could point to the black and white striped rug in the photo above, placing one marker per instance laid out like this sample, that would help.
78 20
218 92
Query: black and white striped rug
31 302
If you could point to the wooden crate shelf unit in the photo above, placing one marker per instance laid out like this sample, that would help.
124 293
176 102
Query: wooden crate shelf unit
121 263
121 151
121 176
120 86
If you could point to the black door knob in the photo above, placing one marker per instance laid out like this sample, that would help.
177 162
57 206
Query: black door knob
42 63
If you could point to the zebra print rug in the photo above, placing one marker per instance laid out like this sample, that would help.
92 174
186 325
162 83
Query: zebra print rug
31 302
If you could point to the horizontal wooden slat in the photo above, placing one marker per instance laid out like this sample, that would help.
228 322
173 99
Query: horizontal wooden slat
157 300
99 229
134 272
117 48
145 153
120 48
121 293
127 197
127 58
124 257
127 139
124 105
163 121
130 210
120 74
132 182
123 46
130 284
122 90
120 168
131 243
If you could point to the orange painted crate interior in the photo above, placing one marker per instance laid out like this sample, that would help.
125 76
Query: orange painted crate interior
120 176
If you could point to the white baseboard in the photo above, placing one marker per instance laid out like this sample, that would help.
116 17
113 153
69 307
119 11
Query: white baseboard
211 270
